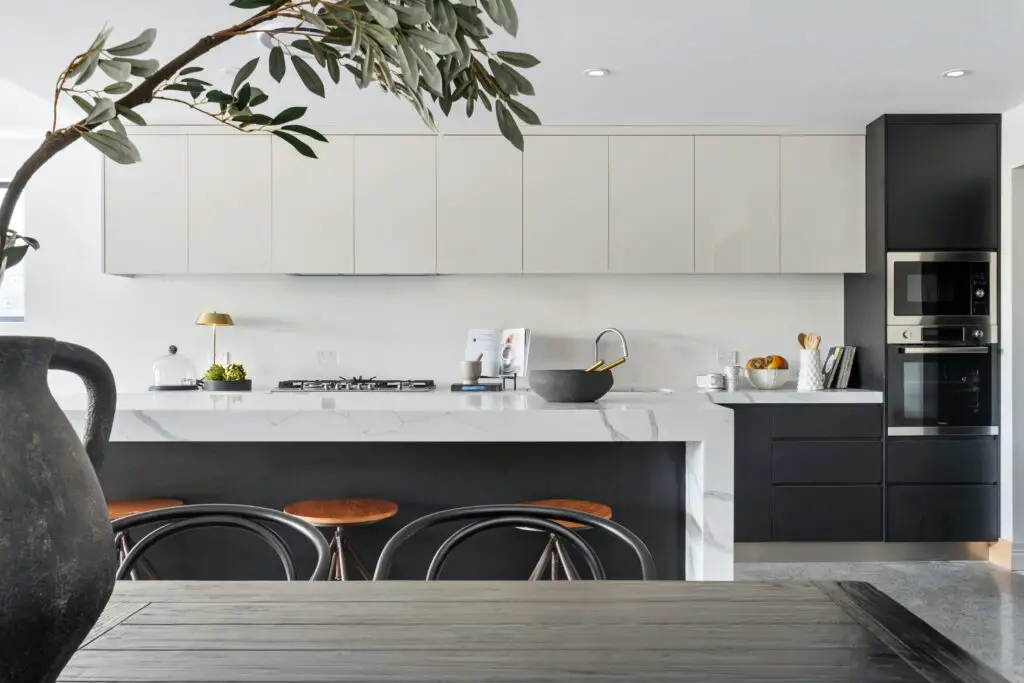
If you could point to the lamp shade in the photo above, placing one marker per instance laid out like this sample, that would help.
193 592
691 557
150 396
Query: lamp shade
214 319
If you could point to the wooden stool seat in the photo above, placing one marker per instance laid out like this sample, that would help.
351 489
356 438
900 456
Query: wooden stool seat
122 508
340 513
343 511
586 506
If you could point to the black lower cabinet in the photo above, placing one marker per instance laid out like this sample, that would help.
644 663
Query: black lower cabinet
942 513
826 513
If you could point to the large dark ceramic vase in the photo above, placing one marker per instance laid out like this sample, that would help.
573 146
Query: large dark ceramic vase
56 547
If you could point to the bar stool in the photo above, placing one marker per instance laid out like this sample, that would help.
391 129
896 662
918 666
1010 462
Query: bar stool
555 553
340 513
116 509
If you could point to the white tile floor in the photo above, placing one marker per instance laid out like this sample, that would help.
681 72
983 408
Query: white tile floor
975 604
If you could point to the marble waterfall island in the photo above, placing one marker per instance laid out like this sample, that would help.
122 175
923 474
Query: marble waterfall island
626 433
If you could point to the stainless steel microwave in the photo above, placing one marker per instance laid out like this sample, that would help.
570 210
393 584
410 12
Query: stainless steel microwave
942 288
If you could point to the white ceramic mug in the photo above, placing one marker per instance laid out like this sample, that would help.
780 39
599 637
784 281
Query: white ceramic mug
712 380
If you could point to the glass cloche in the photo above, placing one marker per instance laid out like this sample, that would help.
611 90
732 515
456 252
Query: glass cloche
173 372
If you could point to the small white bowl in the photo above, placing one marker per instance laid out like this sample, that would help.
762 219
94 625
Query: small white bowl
767 379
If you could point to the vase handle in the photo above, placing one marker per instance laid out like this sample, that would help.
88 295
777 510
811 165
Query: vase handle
99 383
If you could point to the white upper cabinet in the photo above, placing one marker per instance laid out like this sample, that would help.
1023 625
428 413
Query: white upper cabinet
395 204
313 208
737 204
229 205
823 204
650 204
479 205
565 204
145 210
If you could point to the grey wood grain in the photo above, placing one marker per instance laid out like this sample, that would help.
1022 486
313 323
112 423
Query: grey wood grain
458 591
514 632
735 664
113 614
526 637
442 614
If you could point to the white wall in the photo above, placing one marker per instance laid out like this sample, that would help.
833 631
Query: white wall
1011 327
395 326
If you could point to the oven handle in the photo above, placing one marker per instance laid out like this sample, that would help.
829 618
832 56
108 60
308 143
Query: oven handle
928 350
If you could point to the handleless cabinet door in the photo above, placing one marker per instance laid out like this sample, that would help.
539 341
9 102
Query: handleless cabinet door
736 219
396 204
229 206
650 204
145 209
823 204
479 205
565 204
312 208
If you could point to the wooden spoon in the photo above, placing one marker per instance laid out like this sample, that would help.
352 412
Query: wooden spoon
813 341
801 339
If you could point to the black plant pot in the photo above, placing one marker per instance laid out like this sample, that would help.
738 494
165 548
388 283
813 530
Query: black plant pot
224 385
56 547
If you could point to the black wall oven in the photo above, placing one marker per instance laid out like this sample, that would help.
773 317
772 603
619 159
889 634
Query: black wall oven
942 288
942 381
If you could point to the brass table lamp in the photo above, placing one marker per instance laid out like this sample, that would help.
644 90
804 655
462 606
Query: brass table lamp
215 320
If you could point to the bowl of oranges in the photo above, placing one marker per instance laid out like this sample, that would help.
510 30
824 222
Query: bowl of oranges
769 372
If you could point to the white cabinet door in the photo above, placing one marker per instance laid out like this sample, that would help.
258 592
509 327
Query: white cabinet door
736 220
650 204
313 208
823 204
229 228
565 204
395 204
479 205
145 209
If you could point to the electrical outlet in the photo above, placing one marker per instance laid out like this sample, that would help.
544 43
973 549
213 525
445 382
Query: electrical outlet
327 357
726 358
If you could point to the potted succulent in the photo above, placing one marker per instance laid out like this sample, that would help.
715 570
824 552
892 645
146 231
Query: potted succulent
230 377
426 52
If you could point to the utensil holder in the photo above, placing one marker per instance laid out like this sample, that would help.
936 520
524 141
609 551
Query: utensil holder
811 377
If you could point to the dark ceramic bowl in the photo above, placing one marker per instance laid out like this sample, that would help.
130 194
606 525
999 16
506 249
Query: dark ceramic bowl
570 386
240 385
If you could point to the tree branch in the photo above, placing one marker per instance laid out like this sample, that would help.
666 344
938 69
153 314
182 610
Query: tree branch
58 140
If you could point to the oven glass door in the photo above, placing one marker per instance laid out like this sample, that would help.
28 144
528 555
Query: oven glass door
931 288
935 389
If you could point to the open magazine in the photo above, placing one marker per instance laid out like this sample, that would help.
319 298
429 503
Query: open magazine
505 352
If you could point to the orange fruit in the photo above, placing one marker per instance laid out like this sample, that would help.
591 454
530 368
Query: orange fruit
776 363
757 364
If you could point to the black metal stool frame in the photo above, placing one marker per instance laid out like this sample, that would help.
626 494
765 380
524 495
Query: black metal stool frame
529 512
246 517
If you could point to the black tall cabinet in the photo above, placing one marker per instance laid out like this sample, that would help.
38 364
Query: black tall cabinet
933 184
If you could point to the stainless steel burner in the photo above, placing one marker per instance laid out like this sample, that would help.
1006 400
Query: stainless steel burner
356 384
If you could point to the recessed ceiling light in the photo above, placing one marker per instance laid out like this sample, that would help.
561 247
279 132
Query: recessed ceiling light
956 73
596 73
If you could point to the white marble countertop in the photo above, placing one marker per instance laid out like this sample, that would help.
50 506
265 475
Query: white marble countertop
519 416
790 395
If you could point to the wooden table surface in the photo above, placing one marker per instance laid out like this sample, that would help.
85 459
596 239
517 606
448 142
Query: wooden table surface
178 632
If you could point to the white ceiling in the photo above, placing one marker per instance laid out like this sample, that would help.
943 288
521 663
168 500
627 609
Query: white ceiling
674 62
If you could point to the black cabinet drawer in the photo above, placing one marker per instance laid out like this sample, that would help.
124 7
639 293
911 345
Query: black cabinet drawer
826 513
943 460
942 513
827 462
827 422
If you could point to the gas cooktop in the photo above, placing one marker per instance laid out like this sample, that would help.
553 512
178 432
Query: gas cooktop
355 384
